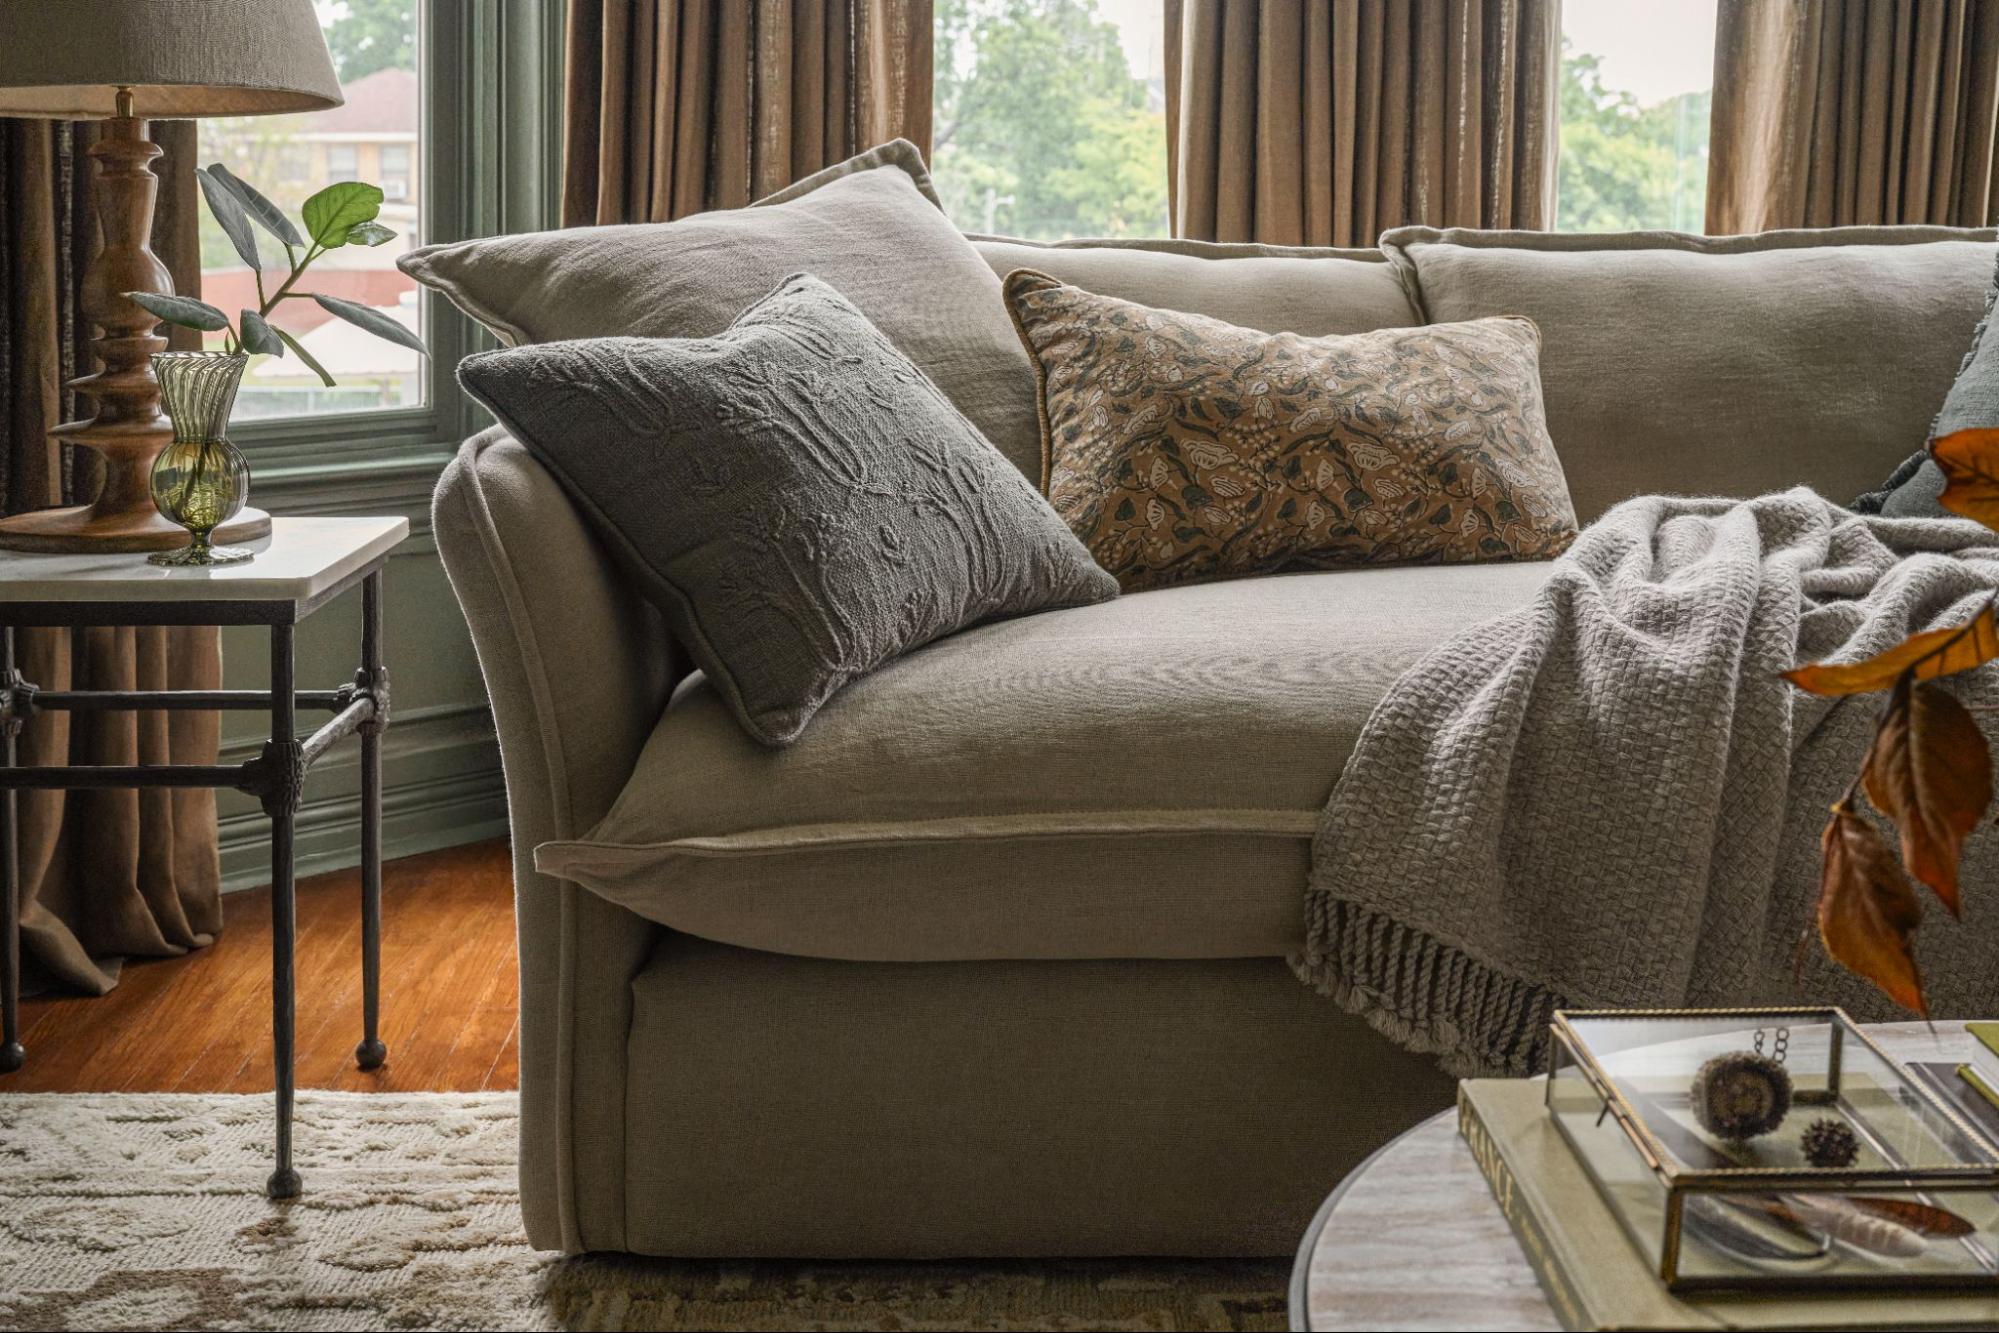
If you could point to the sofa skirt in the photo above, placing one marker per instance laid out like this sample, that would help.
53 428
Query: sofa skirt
780 1106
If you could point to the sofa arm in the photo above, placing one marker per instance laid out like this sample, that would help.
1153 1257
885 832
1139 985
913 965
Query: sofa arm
578 669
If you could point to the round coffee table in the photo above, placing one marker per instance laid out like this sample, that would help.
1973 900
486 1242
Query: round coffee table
1411 1239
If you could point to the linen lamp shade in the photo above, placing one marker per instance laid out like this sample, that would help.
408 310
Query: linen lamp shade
66 59
127 62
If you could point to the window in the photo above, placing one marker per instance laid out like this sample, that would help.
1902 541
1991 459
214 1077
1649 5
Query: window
395 173
343 162
373 138
1050 117
1636 82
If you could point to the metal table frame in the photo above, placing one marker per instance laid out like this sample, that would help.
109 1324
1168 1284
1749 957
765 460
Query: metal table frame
274 777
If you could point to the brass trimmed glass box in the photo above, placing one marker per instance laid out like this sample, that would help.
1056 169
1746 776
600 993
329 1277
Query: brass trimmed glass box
1701 1129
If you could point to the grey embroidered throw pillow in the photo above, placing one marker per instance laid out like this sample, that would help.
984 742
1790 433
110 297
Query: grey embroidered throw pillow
801 501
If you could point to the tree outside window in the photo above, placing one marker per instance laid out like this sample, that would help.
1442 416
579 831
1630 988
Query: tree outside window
1043 127
1635 93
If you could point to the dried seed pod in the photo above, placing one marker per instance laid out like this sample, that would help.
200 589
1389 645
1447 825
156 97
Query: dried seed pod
1830 1143
1741 1095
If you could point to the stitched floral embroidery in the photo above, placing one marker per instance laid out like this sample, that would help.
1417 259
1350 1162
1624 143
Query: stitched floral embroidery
1181 448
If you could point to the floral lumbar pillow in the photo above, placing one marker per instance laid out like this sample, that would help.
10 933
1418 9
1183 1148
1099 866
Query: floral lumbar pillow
1181 448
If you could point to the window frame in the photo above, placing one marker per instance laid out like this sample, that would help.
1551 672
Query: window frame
488 161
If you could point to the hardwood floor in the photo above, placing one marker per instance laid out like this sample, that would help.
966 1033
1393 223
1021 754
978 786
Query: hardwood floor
203 1023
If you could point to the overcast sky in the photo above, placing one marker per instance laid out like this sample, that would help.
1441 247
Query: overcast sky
1654 49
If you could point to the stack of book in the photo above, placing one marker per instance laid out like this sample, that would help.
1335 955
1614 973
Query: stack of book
1971 1088
1595 1277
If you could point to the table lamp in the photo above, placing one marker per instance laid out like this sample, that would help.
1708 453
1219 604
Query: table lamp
128 61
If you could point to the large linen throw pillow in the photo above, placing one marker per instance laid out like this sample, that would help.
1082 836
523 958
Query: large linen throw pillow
1915 489
800 499
1181 448
870 226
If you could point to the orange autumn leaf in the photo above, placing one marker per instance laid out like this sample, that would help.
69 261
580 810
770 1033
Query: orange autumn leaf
1930 771
1932 653
1969 460
1868 910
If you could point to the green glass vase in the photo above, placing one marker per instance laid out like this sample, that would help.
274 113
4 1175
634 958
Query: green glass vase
200 481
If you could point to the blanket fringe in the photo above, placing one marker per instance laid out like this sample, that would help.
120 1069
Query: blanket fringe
1423 994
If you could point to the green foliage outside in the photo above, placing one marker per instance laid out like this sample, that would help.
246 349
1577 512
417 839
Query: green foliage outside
369 35
1627 167
1041 129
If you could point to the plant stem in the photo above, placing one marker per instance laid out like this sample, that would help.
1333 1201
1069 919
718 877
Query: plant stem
312 252
265 304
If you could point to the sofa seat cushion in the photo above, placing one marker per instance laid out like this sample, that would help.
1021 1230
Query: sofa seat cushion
1139 778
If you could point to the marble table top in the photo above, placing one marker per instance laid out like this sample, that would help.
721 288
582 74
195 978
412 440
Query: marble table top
1413 1239
301 559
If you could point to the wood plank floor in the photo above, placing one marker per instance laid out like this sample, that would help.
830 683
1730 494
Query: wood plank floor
203 1023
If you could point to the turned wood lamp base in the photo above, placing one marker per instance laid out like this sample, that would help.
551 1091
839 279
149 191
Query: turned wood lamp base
128 430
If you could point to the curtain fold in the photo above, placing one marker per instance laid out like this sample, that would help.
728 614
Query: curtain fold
105 875
1326 123
1832 113
677 106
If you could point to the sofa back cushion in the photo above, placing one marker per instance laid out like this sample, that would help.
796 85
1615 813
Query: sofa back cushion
870 227
1728 365
1277 289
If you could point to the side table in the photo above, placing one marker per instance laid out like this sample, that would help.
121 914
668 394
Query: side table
304 564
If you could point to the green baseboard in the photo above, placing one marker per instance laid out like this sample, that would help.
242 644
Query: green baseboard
441 787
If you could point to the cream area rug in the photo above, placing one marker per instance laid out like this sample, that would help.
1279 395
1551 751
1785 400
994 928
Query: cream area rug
147 1211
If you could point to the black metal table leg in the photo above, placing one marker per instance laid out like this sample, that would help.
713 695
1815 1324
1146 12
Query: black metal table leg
285 756
371 1052
12 1054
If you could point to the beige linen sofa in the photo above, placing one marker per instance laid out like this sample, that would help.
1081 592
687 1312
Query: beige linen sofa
992 961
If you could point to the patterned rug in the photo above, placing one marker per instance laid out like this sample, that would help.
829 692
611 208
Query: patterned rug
147 1211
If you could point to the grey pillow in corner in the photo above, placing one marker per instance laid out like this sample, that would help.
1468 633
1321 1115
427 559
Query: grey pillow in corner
800 499
1912 490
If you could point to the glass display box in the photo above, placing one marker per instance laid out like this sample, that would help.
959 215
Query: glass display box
1706 1157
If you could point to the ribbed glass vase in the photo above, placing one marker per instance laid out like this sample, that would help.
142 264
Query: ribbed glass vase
200 481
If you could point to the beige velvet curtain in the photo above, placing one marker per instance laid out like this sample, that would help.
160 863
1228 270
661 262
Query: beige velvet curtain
112 874
1837 112
1325 122
676 106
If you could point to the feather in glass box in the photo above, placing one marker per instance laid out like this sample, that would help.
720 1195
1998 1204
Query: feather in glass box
1759 1148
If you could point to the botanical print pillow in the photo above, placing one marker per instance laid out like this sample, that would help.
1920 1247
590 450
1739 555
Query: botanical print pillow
1181 448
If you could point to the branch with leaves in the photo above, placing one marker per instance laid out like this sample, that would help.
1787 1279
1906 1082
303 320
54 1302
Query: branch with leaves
341 214
1929 770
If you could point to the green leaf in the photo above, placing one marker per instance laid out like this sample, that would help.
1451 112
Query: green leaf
182 310
338 209
373 320
229 215
369 233
259 336
304 356
265 213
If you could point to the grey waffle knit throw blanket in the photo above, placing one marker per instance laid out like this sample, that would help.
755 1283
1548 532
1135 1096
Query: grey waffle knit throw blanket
1609 797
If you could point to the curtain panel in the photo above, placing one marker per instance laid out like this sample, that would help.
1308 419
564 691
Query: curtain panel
1328 122
677 106
1831 113
105 875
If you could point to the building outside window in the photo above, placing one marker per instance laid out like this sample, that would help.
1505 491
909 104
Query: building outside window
374 137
